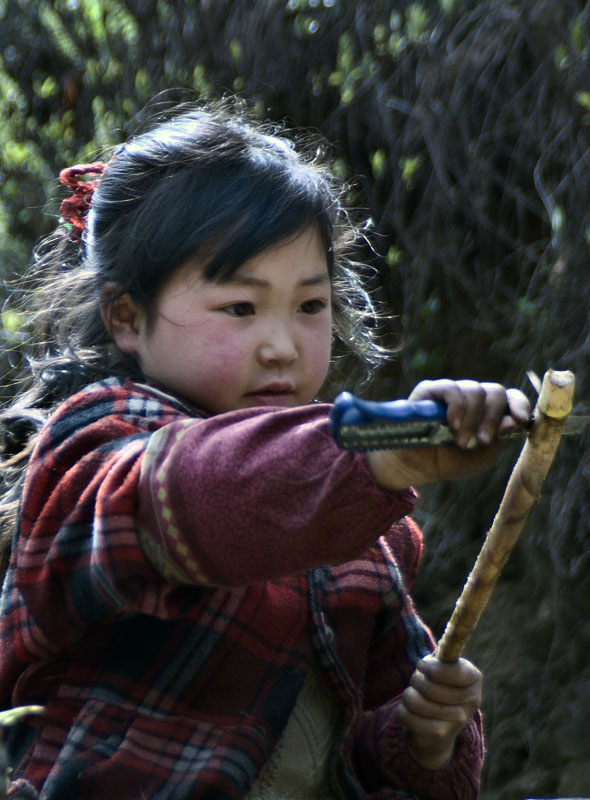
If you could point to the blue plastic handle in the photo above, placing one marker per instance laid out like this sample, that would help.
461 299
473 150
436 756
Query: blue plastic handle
351 412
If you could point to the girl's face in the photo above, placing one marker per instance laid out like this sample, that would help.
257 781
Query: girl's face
261 338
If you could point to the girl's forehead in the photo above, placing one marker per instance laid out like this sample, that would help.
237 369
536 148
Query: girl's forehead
304 251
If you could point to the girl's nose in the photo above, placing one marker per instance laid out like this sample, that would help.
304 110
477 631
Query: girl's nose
277 345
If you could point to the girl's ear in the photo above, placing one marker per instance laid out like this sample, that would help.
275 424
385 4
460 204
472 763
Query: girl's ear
123 318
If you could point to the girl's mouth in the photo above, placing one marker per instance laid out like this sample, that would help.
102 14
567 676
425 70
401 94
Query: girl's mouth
273 396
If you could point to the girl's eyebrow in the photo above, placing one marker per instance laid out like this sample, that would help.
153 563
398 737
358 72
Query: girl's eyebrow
245 280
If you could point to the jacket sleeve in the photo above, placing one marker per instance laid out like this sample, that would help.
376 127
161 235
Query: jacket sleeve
229 500
253 495
383 759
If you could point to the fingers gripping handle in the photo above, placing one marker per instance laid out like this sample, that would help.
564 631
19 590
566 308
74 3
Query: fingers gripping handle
368 425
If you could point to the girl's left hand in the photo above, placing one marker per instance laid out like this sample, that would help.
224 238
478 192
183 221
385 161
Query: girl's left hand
436 706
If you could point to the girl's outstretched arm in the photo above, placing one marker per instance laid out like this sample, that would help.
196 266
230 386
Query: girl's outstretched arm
477 413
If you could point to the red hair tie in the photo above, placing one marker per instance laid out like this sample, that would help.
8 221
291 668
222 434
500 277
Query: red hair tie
74 209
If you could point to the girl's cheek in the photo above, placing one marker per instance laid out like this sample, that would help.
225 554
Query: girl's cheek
322 342
224 350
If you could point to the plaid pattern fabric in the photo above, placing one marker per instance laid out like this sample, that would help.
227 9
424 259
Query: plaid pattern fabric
180 687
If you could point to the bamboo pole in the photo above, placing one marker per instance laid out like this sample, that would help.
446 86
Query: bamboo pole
524 486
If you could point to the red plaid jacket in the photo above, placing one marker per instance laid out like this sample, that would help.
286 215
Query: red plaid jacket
173 581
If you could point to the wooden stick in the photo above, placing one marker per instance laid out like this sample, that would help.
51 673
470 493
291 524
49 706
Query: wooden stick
524 486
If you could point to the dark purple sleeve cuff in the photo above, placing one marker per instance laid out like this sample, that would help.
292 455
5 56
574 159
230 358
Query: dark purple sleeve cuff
383 759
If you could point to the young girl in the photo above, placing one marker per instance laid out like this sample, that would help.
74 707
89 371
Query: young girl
208 597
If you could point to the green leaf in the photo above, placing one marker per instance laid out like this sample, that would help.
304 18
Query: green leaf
447 6
46 88
583 99
409 167
561 56
12 321
58 33
577 36
235 50
378 162
394 256
417 18
558 219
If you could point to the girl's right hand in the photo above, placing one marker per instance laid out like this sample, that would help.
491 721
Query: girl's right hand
477 413
436 706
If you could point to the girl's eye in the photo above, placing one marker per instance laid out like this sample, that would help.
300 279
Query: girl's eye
313 306
243 309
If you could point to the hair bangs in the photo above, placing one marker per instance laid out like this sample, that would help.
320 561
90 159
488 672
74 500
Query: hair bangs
223 216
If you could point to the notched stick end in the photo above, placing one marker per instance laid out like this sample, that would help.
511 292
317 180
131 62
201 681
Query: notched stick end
556 398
